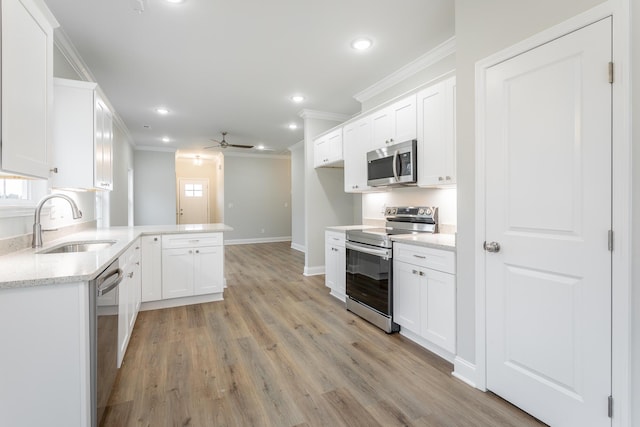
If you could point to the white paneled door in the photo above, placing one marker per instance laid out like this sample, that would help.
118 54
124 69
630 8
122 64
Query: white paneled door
548 207
193 201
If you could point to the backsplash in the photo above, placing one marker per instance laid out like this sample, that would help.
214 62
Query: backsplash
373 204
18 243
16 230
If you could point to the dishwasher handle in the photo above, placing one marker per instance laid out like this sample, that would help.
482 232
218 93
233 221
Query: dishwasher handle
106 284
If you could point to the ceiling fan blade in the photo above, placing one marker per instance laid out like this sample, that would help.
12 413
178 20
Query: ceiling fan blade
240 146
212 146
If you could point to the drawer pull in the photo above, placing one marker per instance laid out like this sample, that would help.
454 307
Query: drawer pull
420 256
194 241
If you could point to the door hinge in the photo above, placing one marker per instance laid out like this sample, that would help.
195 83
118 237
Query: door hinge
610 240
610 407
610 72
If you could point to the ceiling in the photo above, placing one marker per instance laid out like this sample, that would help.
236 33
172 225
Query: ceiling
232 65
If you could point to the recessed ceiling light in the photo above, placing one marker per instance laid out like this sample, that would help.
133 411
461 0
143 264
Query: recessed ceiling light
297 98
260 147
293 126
166 139
162 110
361 44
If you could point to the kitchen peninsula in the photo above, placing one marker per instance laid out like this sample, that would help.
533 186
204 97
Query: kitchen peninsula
46 309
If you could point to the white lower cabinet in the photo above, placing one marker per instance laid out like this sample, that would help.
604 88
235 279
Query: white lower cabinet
424 297
151 260
129 297
335 258
192 264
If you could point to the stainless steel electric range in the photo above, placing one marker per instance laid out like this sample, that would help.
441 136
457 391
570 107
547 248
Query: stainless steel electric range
369 266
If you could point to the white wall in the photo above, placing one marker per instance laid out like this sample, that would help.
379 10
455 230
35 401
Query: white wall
297 196
326 203
635 252
483 28
154 187
257 197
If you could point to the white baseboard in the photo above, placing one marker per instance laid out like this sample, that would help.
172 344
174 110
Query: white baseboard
313 271
299 247
433 348
177 302
257 240
464 371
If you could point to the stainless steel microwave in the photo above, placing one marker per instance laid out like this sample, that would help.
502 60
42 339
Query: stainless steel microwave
393 165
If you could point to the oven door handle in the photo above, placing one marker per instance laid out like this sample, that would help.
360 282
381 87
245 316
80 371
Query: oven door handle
381 252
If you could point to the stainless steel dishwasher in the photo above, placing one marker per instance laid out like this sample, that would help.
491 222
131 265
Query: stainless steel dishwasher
103 295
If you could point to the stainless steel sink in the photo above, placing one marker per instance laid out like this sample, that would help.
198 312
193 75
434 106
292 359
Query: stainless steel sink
84 246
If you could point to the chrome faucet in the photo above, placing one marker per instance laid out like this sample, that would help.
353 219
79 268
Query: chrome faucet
36 242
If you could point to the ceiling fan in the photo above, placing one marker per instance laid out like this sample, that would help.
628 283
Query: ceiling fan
225 144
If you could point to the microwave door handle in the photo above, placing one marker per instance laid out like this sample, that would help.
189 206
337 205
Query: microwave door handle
395 167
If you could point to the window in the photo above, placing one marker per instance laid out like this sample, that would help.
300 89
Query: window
193 190
14 190
19 196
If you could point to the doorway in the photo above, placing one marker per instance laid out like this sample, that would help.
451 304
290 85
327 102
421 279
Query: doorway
547 175
193 201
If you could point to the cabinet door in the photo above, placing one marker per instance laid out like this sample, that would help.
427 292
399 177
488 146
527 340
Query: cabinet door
103 169
177 273
329 264
320 151
208 270
334 141
381 128
403 119
73 134
339 288
436 134
438 302
27 88
356 143
151 261
406 296
124 295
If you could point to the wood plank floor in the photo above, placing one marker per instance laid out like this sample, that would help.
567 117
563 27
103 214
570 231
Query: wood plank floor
280 351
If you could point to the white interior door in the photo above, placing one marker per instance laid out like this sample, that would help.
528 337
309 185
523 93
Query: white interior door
548 206
193 201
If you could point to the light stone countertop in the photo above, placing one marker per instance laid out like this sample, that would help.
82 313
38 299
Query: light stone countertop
436 241
28 267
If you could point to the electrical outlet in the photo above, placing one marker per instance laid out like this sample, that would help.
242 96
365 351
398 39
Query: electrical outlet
262 231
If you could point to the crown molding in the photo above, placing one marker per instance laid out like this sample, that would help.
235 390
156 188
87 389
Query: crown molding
425 61
69 51
158 149
323 115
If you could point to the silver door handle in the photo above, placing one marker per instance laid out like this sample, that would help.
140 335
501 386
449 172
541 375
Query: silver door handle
394 167
491 247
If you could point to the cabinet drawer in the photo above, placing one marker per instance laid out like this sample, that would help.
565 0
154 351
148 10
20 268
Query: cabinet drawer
191 240
335 238
435 259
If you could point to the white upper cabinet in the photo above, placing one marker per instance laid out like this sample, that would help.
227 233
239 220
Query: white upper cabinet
328 149
27 73
83 137
395 123
437 134
356 143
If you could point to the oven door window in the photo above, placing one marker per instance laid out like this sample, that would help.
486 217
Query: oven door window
368 280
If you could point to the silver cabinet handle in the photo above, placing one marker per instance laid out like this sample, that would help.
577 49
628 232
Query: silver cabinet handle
197 252
420 256
491 247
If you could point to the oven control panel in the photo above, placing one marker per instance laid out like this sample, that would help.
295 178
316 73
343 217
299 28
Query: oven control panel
417 211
